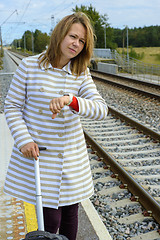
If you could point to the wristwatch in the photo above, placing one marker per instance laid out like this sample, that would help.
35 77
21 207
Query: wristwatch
70 97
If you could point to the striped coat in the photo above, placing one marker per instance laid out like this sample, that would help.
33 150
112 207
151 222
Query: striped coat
64 166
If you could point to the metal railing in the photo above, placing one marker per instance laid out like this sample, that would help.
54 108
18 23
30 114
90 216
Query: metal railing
131 67
137 68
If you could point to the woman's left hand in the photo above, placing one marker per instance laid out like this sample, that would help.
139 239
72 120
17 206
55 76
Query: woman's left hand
56 104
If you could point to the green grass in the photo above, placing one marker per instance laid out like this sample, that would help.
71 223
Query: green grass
149 55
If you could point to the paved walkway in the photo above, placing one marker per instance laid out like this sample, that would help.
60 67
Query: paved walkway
12 219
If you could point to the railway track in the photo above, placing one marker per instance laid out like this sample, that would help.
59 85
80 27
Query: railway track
125 164
16 57
140 87
126 175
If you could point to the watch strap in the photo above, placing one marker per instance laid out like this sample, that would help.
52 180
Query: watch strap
70 98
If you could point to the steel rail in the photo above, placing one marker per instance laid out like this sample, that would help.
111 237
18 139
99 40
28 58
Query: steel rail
22 54
134 123
127 79
13 59
147 201
133 89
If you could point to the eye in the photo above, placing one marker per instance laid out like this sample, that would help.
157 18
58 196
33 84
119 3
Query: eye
72 36
83 42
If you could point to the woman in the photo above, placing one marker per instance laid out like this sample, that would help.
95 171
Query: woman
48 95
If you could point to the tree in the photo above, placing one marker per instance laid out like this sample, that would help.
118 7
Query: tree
26 42
139 37
41 40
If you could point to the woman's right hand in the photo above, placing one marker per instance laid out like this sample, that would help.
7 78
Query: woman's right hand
30 150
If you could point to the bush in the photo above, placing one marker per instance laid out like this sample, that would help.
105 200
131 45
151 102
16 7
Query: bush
1 53
135 55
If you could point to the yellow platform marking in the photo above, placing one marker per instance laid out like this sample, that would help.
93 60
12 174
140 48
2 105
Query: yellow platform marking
31 219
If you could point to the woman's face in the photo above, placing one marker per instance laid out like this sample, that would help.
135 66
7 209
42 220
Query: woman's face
73 43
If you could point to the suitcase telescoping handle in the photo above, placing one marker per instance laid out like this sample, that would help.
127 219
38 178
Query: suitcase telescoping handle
39 208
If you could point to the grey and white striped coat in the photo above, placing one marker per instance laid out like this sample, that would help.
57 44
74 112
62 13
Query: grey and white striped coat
64 166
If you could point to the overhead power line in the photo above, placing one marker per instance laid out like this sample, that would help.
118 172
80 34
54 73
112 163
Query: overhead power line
9 16
1 31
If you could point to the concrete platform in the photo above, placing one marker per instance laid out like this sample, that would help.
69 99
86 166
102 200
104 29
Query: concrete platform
17 217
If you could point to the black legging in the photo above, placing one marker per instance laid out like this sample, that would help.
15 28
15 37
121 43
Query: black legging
64 218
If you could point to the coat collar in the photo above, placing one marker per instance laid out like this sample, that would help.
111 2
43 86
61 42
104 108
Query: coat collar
66 68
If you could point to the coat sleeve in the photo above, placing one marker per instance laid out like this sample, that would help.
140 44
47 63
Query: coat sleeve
14 107
91 104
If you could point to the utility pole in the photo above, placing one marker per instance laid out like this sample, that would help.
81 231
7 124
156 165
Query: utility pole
24 42
105 36
32 43
126 28
1 41
127 45
123 36
52 22
104 26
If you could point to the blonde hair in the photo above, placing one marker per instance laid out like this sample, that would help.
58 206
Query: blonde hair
53 53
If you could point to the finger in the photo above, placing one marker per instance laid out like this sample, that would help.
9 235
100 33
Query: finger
25 154
28 149
34 153
51 107
29 153
54 115
58 106
55 110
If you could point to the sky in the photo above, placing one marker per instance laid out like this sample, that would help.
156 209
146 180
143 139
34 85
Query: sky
18 16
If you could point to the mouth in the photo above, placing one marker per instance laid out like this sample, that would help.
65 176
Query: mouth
72 50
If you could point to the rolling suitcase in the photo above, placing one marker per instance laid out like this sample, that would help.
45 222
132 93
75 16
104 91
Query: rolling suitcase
40 234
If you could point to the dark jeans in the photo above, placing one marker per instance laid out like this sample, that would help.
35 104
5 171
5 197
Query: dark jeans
64 218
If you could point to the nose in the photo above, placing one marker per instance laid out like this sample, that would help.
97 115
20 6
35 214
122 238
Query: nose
76 42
